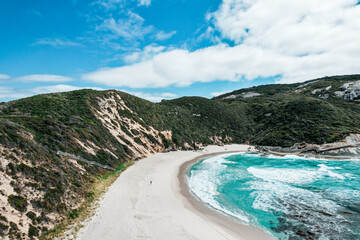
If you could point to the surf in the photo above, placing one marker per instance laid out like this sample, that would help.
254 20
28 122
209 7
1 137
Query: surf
290 197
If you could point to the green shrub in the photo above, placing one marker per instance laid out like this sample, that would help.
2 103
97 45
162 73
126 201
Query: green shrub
18 202
90 196
31 215
74 214
33 231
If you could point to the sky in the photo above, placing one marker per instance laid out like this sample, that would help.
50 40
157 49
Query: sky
164 49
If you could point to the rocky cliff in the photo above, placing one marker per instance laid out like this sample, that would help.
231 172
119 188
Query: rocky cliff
348 148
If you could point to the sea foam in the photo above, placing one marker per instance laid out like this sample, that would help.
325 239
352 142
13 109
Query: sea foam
203 184
286 194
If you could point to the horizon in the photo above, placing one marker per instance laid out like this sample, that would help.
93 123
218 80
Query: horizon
163 49
177 97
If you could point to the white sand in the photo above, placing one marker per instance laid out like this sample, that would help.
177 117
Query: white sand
135 209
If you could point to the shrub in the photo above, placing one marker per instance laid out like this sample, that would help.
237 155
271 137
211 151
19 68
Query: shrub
31 215
18 202
74 214
33 231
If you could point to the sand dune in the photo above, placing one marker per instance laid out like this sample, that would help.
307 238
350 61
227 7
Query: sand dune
134 208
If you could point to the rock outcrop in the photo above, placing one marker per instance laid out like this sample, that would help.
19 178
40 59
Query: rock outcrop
348 148
350 91
243 95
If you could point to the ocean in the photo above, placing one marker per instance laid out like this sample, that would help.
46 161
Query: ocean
289 197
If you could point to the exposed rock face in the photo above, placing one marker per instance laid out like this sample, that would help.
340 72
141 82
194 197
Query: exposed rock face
220 141
230 97
348 148
306 84
350 91
302 87
141 140
250 94
244 95
319 90
322 93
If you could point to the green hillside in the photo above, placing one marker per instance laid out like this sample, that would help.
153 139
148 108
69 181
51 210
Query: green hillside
286 114
111 128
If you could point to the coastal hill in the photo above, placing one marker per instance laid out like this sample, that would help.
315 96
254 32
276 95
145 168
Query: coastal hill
55 147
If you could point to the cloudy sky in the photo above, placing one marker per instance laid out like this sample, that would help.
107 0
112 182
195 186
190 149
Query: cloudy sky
160 49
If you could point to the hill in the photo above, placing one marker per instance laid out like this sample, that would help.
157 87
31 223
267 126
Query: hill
55 147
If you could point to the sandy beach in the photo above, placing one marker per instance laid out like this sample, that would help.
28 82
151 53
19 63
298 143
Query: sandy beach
134 208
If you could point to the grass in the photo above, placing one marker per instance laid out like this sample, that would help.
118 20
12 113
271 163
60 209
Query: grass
73 222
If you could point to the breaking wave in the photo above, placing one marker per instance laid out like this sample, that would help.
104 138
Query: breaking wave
291 197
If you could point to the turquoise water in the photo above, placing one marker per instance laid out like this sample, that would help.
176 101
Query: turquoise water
290 197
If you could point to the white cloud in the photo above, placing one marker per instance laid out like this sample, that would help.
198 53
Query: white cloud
298 40
147 53
215 94
168 95
57 42
318 37
113 4
8 92
161 36
43 78
153 97
182 68
210 35
144 2
59 88
130 28
109 4
4 77
120 28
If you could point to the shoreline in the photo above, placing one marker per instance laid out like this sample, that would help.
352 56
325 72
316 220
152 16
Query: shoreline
310 156
149 201
246 231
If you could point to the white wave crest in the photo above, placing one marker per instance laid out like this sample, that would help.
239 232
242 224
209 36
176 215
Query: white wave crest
326 171
203 184
297 176
284 175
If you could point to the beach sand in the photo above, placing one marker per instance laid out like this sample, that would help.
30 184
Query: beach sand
151 200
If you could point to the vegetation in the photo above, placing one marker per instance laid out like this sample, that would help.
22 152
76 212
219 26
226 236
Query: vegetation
73 221
33 130
298 115
18 202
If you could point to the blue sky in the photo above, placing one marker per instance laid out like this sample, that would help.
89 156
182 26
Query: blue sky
170 48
